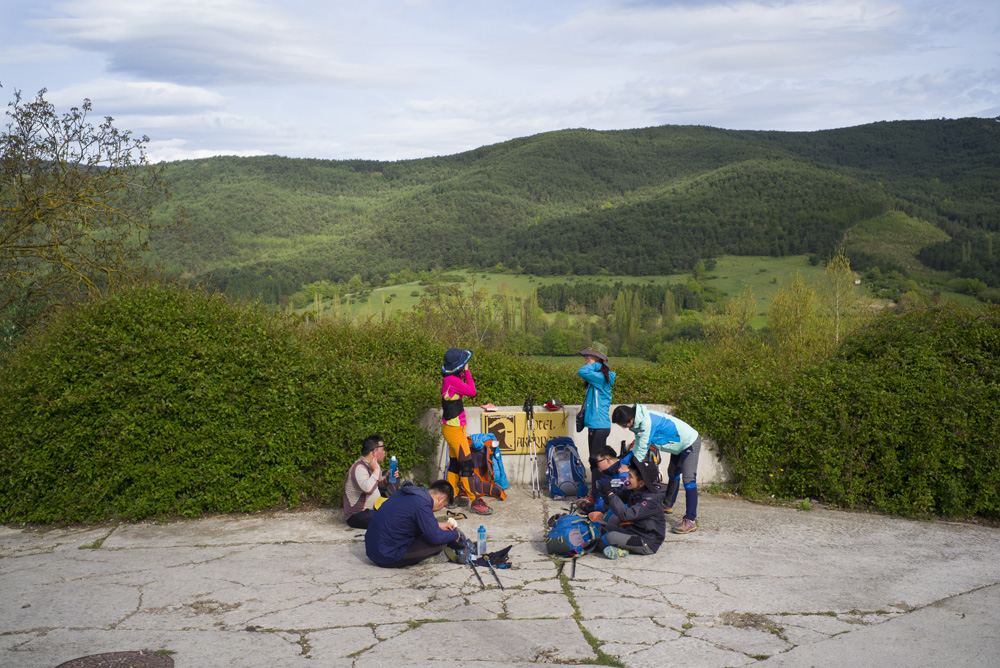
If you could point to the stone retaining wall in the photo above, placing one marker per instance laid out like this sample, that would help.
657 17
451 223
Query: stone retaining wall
518 467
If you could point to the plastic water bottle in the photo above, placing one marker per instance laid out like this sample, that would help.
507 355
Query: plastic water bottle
392 469
482 540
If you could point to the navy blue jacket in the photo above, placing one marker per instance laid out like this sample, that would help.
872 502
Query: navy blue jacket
408 513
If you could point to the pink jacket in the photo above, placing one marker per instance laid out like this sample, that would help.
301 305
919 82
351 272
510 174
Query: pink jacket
456 386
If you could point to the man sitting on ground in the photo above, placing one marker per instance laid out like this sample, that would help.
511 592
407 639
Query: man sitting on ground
365 483
607 470
404 531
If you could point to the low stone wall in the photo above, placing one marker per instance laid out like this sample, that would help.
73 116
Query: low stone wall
518 466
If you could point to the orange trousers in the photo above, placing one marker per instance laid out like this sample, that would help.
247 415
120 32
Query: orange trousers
460 461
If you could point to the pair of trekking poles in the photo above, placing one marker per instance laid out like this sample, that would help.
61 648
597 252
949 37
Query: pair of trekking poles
472 564
529 414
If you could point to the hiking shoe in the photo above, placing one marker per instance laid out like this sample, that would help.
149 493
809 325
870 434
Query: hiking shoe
668 511
462 501
612 552
480 507
686 526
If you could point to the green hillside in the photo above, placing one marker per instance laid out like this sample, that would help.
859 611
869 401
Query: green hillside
633 202
893 239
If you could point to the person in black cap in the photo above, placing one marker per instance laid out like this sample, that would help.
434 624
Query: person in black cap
598 379
634 521
456 383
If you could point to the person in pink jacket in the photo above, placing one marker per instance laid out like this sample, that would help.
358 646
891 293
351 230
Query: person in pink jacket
456 383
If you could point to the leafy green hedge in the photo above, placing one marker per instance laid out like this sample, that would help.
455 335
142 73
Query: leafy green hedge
903 420
160 400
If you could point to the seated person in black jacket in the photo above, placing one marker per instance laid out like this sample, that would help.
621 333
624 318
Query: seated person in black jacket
633 517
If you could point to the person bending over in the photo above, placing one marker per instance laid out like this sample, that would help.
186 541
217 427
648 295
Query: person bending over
672 436
404 530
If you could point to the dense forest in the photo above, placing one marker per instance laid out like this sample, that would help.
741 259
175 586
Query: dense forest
633 202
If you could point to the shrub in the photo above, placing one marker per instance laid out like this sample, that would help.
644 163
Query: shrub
902 420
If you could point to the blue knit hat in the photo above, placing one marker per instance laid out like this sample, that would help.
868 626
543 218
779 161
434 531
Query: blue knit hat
455 359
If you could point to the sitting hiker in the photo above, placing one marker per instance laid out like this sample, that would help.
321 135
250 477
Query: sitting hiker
672 436
606 460
365 483
405 531
634 521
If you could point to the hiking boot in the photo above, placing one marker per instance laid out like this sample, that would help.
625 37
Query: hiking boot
686 526
668 511
480 507
462 501
612 552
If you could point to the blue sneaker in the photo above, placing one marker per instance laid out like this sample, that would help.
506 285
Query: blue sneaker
612 552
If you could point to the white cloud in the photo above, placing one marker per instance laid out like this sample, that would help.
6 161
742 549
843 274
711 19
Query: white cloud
129 97
221 42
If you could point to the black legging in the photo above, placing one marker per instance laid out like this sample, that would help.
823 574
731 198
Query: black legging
360 520
418 550
596 439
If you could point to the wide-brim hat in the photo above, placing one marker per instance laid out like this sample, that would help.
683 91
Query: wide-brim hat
594 353
455 359
649 472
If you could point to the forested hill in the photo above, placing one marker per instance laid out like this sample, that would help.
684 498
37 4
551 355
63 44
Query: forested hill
653 200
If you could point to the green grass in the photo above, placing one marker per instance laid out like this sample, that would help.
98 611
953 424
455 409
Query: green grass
895 237
515 285
765 275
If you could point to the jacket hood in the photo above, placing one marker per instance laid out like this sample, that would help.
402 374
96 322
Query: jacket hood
640 414
409 488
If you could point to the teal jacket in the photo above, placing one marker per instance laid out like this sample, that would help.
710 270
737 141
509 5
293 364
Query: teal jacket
661 431
597 405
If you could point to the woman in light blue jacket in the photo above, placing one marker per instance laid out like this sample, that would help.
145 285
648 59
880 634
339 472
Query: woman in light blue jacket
598 379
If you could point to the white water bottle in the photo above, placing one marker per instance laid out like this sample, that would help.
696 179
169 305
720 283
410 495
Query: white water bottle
392 469
482 540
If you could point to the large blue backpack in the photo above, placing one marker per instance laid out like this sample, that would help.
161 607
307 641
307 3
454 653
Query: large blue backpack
571 536
565 471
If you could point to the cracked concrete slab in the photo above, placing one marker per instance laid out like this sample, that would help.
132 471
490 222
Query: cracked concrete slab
295 589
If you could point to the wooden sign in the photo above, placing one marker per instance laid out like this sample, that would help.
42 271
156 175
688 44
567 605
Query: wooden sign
513 432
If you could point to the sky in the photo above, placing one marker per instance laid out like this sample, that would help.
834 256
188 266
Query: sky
402 79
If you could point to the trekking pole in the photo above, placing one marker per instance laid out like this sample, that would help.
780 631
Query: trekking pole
472 565
529 412
489 565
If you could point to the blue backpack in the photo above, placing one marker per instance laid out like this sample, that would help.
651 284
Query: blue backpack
565 471
571 536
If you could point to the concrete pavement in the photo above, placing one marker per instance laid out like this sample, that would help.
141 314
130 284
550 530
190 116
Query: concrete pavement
763 585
